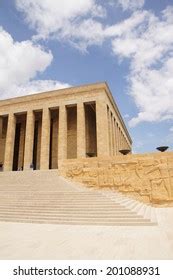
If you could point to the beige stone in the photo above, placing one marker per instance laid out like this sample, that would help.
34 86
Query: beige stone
63 124
147 177
9 146
102 129
84 226
29 140
45 138
81 142
65 128
0 128
62 151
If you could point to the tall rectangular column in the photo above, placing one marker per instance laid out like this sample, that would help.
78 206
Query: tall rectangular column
81 138
45 140
1 127
124 142
109 131
62 135
112 135
118 139
9 145
102 129
29 140
116 135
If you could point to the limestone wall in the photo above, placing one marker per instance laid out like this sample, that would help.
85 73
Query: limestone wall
147 177
21 145
72 132
2 145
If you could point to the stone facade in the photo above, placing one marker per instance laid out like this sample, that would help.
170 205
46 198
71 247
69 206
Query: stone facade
43 130
146 177
79 131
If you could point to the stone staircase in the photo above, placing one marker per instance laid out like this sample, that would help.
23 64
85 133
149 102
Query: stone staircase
45 197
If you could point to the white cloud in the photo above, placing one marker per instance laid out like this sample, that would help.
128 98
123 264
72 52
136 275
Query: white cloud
51 18
149 46
88 33
126 26
34 86
171 129
75 21
131 4
153 93
143 38
19 64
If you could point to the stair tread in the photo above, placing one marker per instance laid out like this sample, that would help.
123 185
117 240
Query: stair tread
47 198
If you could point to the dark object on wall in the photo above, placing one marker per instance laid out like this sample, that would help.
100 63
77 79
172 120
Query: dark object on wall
125 152
162 148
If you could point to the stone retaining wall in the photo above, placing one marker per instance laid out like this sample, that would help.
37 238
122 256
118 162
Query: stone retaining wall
147 177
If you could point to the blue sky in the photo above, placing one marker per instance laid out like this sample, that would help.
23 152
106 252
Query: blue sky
47 45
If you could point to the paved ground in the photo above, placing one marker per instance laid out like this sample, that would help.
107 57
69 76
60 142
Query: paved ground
35 241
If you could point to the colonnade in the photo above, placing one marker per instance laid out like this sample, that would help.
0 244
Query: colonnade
109 138
117 138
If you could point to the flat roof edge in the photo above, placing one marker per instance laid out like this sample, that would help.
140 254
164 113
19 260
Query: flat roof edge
68 90
55 92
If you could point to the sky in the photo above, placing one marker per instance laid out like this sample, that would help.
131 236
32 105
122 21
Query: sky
46 45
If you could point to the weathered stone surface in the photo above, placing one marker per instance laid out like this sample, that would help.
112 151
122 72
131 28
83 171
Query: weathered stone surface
147 177
41 130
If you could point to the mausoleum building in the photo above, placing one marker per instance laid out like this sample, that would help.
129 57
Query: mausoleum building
39 131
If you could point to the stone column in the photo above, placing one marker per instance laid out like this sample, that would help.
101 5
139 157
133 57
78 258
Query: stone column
121 145
9 145
102 129
109 130
116 140
81 137
45 140
62 135
114 136
29 140
123 142
0 127
119 140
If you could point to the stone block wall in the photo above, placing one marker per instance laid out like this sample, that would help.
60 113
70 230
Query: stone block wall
2 145
147 177
72 132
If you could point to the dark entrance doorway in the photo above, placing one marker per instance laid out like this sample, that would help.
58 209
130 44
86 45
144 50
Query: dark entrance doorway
35 145
90 129
53 148
37 140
